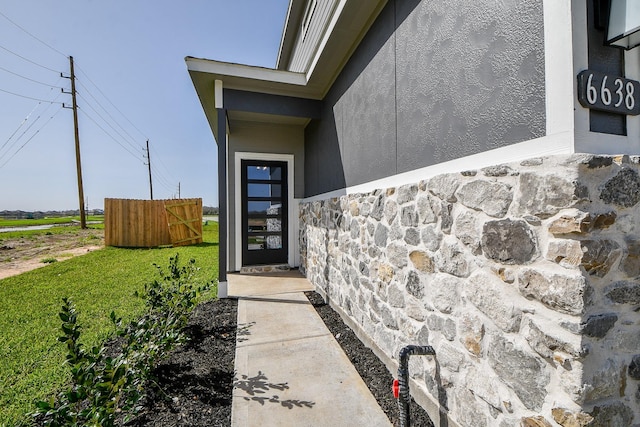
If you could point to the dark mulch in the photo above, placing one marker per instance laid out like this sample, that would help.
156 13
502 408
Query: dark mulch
197 379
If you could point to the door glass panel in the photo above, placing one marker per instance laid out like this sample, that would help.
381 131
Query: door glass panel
274 224
256 243
264 190
264 224
264 208
264 173
274 242
275 173
257 224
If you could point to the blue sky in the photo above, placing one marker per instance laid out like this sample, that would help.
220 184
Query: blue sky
132 86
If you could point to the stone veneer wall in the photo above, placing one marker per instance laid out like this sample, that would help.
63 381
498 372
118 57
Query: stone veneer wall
524 277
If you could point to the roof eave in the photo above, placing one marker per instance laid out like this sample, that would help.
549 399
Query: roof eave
289 32
204 72
350 23
241 71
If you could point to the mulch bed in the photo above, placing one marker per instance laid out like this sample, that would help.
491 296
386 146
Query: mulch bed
197 378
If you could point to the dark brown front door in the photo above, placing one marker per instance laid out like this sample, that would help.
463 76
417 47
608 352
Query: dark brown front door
264 212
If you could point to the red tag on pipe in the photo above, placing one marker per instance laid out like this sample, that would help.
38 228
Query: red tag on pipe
396 389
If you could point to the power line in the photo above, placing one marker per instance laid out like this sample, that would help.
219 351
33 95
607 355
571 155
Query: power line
17 140
167 170
108 124
28 60
32 136
109 135
25 120
155 171
89 92
29 97
44 43
167 186
31 80
158 172
112 104
161 179
20 125
107 112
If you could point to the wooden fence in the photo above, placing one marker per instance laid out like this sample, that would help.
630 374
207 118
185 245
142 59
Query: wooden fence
151 223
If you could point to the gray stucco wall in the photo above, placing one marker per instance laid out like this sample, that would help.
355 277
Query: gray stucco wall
262 138
430 82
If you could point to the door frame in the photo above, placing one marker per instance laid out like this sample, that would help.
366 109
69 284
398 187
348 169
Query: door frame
289 159
265 186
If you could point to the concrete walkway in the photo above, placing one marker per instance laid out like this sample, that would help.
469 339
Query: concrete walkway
290 371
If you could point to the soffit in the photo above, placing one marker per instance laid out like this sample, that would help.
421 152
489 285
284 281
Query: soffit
355 19
352 20
205 72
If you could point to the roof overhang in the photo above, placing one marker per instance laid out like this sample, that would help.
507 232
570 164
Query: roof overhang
347 26
291 26
245 77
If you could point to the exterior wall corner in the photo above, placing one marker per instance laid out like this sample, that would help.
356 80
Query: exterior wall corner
523 277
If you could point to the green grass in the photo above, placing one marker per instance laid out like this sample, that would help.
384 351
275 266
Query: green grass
31 360
28 234
46 221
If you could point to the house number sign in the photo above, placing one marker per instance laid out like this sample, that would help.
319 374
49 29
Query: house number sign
604 92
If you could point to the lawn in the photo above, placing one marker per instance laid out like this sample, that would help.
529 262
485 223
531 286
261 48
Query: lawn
31 360
46 221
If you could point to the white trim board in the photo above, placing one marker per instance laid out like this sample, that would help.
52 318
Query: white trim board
337 11
226 150
539 147
558 65
245 71
292 209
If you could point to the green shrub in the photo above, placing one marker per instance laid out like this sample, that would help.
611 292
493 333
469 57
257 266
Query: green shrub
107 387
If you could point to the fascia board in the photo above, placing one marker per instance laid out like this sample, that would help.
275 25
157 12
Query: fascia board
245 71
324 67
328 32
289 31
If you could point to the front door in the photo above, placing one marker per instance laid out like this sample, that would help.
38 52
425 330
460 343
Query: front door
264 212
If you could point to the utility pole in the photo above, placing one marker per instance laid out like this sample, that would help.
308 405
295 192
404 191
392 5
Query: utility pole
83 218
149 163
178 190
